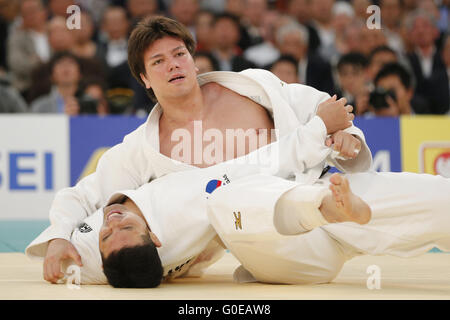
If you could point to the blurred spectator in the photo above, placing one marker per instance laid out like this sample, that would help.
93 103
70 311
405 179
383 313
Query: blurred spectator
9 10
300 10
265 53
203 30
391 16
28 45
410 5
84 45
226 37
369 39
60 37
292 39
322 14
65 76
205 62
393 93
215 6
235 7
185 12
351 72
285 68
430 7
113 50
378 57
58 8
139 9
427 65
343 15
350 41
115 26
254 13
11 101
95 8
360 9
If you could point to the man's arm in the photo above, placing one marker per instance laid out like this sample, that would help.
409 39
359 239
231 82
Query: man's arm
114 172
306 102
119 168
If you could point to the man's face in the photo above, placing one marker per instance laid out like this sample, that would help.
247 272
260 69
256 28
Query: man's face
66 72
379 60
123 226
33 14
226 34
204 65
292 44
394 83
390 11
351 78
423 32
116 24
285 71
322 10
169 69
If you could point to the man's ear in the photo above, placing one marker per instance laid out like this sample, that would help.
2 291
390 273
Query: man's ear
409 94
155 240
197 70
145 80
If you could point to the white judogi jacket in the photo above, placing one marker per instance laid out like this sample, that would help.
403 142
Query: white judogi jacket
137 160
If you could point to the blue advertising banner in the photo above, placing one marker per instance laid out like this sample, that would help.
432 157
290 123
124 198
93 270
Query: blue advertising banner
91 136
383 138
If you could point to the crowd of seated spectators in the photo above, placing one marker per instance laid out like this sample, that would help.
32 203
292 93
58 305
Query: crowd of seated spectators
400 67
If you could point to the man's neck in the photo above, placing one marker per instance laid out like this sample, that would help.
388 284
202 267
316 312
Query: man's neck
225 53
181 111
426 51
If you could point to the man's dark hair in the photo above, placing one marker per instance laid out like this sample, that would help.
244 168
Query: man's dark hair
134 267
58 56
352 58
226 16
285 58
210 57
145 34
383 48
394 68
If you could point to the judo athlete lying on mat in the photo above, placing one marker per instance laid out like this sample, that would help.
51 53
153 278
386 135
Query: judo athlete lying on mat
160 57
278 229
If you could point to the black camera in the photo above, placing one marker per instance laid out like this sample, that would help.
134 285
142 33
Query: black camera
378 98
88 105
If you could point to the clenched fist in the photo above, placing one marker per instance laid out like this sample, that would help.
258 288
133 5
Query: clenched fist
58 251
335 114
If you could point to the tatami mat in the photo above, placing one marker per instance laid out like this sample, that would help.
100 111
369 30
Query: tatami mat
424 277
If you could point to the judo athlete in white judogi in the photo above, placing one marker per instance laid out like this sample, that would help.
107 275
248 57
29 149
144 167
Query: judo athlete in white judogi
273 226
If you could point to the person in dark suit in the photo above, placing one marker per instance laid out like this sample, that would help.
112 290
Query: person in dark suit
292 39
225 49
426 62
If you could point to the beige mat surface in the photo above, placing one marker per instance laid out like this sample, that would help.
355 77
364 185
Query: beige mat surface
424 277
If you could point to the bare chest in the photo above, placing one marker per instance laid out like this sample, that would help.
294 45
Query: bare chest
234 127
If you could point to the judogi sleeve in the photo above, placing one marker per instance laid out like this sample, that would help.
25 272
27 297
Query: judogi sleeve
305 100
85 239
118 169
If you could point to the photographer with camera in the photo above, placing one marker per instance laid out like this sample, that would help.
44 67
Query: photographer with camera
393 92
70 94
65 73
